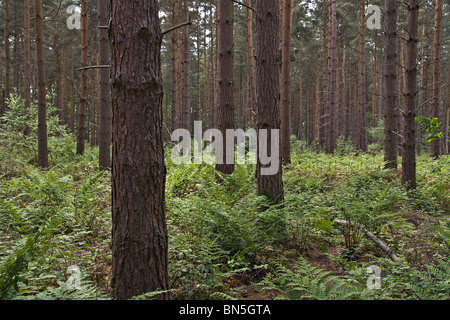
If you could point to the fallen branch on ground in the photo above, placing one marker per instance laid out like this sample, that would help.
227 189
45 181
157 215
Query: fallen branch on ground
372 237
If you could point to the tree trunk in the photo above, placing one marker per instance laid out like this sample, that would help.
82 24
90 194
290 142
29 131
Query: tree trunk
139 233
331 101
390 74
225 106
361 123
420 94
84 80
72 95
251 66
409 130
186 96
103 87
174 43
286 83
375 82
42 113
27 63
7 52
58 102
436 72
16 50
268 115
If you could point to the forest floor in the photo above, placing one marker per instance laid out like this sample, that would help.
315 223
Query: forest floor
225 240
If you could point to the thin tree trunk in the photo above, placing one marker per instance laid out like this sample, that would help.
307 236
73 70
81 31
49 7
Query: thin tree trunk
27 63
375 82
390 73
331 113
420 94
58 102
139 232
409 141
7 52
104 88
16 49
285 83
186 96
84 80
436 72
174 43
251 66
361 123
42 110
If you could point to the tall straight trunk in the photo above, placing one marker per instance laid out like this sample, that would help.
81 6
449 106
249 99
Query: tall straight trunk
251 66
436 72
447 122
267 89
317 111
343 102
331 101
420 94
286 83
139 232
375 82
7 51
409 141
104 88
361 123
325 77
42 110
390 74
401 90
207 90
174 43
225 99
298 108
27 63
186 96
72 95
16 50
213 69
81 124
199 59
58 102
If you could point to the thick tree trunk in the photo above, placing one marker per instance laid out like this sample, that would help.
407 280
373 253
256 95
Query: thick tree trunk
268 115
225 106
81 124
285 109
409 130
436 72
390 74
42 113
104 88
139 233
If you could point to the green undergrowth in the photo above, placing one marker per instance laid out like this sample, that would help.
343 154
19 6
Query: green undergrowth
226 241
